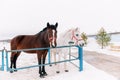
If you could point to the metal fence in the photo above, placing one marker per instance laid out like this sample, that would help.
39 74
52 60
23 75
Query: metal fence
5 54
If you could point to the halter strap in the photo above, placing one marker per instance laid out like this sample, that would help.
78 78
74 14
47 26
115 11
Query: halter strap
74 37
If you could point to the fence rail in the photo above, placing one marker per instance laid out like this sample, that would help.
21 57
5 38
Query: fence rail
5 53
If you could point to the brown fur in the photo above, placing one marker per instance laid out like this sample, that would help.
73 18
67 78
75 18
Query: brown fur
39 40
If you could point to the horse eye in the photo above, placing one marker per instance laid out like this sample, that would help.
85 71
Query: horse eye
77 34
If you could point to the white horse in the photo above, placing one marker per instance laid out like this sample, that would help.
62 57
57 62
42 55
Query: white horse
72 35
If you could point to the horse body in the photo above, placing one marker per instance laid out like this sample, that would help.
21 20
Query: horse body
72 35
27 42
42 39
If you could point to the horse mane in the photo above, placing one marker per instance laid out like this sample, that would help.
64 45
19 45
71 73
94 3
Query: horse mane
68 31
44 29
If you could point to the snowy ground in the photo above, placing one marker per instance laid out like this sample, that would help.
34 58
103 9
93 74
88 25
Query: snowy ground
92 46
89 72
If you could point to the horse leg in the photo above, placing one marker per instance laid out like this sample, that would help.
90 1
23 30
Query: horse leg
51 54
39 56
65 63
40 72
15 59
12 61
58 65
43 67
55 53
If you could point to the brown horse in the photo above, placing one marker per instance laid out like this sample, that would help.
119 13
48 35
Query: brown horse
45 38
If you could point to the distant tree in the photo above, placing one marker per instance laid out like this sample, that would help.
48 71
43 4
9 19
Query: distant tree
103 38
84 37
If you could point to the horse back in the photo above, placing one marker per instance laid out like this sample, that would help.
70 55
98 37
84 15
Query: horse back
22 42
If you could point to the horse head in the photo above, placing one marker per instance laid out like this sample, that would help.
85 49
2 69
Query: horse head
52 34
76 37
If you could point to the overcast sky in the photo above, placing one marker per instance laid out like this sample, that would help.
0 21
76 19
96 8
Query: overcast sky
31 16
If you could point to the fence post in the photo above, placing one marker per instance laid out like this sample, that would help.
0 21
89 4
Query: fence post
80 52
49 59
7 65
2 66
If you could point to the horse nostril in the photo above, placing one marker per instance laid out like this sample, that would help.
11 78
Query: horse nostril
50 39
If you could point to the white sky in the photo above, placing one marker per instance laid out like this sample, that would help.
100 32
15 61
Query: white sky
31 16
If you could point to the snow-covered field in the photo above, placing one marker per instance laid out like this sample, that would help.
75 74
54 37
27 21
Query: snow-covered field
93 46
89 72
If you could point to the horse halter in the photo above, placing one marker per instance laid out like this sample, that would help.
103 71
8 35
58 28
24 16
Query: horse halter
75 38
52 34
52 38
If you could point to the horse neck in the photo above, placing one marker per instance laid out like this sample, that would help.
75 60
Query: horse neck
64 38
41 37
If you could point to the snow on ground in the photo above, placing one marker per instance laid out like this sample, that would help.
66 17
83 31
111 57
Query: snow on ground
93 46
89 72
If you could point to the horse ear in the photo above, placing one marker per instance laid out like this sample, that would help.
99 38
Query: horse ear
48 24
56 24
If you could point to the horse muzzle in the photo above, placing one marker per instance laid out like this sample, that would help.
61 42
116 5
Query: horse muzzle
81 45
53 45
